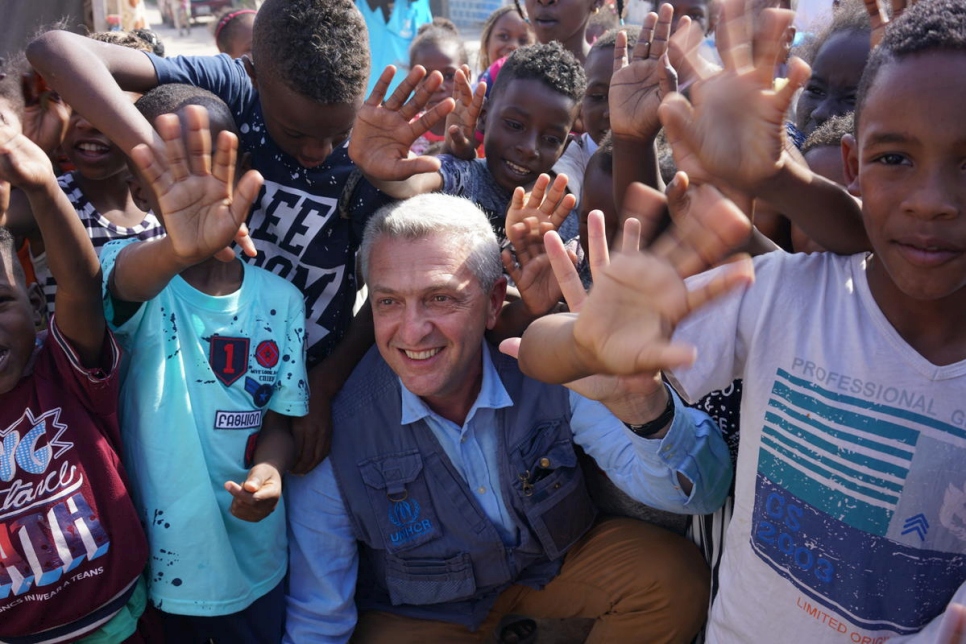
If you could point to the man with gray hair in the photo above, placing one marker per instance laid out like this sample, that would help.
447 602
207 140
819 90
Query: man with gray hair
453 497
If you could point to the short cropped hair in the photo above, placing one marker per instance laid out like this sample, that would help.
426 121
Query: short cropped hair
318 48
171 97
550 64
439 32
608 40
927 26
456 219
8 256
829 133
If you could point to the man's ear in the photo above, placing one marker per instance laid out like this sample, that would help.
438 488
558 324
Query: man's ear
38 305
250 69
495 303
850 165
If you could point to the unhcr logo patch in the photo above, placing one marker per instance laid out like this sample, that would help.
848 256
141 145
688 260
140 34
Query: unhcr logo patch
405 515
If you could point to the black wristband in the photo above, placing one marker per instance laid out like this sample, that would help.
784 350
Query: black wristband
654 426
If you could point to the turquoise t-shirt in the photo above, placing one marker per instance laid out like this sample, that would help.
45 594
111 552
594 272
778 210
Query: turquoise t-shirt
389 41
198 375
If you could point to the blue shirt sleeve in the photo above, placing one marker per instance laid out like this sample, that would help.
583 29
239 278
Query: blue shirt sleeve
647 469
323 560
220 75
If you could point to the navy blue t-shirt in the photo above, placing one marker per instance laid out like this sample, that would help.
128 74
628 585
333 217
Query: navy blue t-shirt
295 222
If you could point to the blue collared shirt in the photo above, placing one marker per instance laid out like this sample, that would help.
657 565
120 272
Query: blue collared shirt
324 555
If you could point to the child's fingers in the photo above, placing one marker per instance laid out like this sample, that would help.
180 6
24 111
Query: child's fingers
381 86
731 34
563 210
245 242
555 195
199 139
734 275
424 92
667 77
223 163
631 242
597 243
146 159
536 197
662 32
175 156
565 271
797 74
418 165
510 265
479 96
662 357
648 206
516 205
767 47
245 194
642 50
431 117
620 51
457 139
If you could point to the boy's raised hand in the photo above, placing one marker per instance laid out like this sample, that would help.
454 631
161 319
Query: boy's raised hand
385 130
194 188
22 162
529 217
461 122
732 129
640 84
625 323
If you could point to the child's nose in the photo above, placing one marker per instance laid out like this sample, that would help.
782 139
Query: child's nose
314 152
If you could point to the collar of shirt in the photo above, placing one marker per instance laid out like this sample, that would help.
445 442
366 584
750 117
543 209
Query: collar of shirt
492 395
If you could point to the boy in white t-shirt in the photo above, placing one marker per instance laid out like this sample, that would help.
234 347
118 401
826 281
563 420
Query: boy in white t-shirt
849 500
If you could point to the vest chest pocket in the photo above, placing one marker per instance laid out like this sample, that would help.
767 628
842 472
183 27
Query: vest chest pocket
400 500
551 487
429 581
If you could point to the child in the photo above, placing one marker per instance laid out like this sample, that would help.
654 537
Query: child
208 433
525 122
294 104
564 21
71 548
504 32
601 21
837 57
823 153
437 47
847 521
233 30
97 188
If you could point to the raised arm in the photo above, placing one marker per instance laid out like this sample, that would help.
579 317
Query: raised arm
731 132
385 130
92 76
71 256
194 193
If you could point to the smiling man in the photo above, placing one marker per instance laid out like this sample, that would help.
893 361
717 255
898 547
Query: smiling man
453 495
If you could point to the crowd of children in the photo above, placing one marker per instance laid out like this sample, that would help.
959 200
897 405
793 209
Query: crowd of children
178 289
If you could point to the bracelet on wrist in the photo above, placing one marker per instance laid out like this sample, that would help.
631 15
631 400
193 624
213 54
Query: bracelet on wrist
654 426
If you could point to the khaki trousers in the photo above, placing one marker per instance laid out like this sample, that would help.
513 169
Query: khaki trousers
641 583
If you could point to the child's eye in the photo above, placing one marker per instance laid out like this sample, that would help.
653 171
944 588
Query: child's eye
891 158
555 141
597 98
513 125
503 37
292 135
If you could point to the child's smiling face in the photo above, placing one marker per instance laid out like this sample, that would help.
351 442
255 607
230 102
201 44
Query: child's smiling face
908 166
526 128
509 33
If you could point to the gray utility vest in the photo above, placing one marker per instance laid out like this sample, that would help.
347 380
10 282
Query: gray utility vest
427 549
